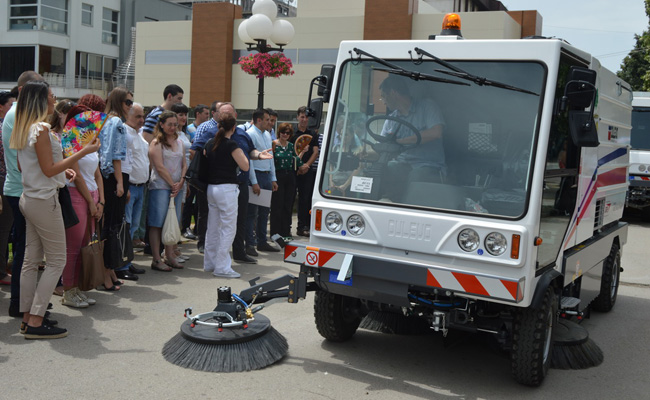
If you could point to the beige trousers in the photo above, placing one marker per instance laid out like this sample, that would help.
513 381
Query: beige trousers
44 235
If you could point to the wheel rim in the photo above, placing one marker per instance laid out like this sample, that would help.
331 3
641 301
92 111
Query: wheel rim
549 331
614 285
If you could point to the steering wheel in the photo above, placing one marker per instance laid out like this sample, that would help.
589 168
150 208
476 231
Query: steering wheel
393 137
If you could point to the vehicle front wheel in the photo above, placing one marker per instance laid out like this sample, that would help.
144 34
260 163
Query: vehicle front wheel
532 340
337 317
609 281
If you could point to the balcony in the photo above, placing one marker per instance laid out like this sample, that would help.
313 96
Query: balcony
73 87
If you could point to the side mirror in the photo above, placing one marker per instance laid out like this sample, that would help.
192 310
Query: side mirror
580 90
579 94
325 83
315 112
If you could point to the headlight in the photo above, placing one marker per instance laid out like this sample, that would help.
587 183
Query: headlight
356 224
642 168
496 244
468 240
333 222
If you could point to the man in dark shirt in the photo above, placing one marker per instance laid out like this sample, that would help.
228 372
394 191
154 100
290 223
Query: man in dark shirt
172 94
306 175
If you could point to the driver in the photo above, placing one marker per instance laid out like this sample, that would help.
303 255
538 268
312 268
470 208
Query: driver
425 160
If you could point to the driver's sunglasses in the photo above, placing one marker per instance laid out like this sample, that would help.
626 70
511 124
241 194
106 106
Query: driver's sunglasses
128 102
285 133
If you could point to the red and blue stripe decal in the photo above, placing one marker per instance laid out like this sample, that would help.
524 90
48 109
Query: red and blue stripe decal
613 177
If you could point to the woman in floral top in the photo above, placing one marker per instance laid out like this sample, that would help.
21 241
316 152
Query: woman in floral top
286 163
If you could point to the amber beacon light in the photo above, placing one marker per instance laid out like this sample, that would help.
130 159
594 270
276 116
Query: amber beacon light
451 25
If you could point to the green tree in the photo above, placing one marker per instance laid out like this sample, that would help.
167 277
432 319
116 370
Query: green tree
635 68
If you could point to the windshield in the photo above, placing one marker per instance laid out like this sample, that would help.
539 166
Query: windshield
640 139
464 148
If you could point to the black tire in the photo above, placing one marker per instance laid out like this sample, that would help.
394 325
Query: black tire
337 317
609 281
532 341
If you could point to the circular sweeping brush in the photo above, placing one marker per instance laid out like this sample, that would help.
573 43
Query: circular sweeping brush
227 339
572 347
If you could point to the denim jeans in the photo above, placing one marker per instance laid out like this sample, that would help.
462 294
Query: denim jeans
133 210
258 216
18 248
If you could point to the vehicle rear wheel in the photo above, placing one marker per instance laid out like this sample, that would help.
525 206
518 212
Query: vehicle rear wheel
609 281
532 340
337 317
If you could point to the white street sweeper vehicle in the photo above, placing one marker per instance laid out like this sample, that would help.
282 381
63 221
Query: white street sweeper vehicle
475 184
638 195
471 185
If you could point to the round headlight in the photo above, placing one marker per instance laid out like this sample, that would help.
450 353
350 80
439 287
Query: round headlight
496 244
333 222
468 240
356 224
642 168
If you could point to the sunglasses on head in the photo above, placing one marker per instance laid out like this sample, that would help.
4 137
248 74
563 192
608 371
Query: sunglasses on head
128 102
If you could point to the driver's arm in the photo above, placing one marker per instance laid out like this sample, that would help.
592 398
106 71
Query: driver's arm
427 136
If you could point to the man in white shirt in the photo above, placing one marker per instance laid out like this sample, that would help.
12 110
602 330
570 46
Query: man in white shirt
137 152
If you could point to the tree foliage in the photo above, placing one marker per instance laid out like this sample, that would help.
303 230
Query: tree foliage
635 68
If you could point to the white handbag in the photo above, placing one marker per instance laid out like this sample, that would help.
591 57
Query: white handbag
171 232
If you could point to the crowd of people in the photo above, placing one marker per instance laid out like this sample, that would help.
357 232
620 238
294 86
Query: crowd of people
125 180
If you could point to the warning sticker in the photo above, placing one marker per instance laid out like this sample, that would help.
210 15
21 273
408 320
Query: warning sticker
311 258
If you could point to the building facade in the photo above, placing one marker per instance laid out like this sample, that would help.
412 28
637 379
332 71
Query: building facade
202 55
76 45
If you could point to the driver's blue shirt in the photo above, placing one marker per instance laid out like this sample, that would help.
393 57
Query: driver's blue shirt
423 115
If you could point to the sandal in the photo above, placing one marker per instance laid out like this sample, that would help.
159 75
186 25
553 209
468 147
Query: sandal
113 288
173 264
155 265
118 282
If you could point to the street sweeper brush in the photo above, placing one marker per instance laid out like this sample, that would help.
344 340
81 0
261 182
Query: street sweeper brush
228 339
572 347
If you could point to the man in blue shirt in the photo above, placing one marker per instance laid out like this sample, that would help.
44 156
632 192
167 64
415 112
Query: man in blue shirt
262 176
201 114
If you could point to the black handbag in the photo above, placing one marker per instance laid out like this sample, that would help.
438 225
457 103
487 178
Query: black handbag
118 249
70 218
194 172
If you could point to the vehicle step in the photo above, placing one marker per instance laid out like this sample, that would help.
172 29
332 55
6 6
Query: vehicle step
569 302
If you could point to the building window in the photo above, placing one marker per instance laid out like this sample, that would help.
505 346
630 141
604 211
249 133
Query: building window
94 71
46 15
54 15
51 59
23 14
110 20
14 61
87 14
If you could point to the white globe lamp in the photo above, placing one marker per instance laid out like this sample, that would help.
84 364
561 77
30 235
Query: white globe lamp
265 7
283 32
259 27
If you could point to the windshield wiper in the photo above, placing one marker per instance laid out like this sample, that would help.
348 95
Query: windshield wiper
397 70
479 80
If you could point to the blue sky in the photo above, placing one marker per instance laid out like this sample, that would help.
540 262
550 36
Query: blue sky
604 28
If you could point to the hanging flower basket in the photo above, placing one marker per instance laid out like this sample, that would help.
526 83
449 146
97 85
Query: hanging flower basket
266 65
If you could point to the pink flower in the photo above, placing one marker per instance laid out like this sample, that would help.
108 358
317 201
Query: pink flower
266 65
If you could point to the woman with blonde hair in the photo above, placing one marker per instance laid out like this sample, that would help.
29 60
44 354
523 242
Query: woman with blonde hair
116 182
44 171
167 157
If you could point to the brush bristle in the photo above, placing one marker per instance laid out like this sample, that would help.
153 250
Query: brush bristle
576 356
254 354
394 323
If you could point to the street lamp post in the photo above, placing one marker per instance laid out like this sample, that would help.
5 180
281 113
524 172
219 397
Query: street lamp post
261 28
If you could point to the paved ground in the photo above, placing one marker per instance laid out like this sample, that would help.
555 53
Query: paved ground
114 349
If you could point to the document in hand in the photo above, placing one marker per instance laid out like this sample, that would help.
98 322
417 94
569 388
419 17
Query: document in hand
264 199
